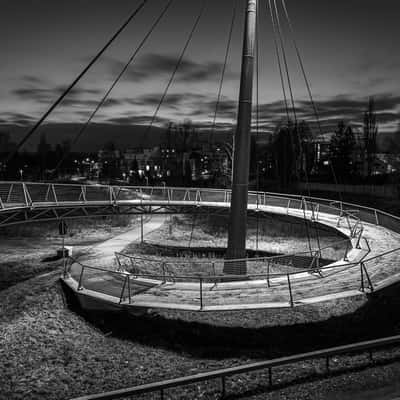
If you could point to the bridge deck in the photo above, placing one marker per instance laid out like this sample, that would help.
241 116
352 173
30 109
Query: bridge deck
373 266
342 280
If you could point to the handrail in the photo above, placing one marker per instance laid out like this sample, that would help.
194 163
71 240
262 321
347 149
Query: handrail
246 368
21 190
233 277
211 190
257 259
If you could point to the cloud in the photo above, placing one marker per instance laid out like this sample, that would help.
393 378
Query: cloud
154 65
46 96
201 107
136 120
33 79
15 118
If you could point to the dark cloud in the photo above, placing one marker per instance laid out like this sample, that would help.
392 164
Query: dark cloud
46 96
153 65
331 111
16 118
33 79
136 120
201 106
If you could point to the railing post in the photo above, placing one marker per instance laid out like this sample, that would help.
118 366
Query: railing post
268 272
362 288
129 289
118 261
27 197
201 293
223 387
290 291
9 193
163 272
113 197
358 245
371 286
345 258
141 228
376 217
65 264
80 287
83 193
123 291
46 197
270 376
54 193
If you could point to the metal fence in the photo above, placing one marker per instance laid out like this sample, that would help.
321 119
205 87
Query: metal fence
19 194
289 263
223 374
289 288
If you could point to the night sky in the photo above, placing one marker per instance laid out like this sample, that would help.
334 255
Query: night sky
350 50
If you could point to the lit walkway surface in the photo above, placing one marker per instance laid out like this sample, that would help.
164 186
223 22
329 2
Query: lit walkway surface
371 263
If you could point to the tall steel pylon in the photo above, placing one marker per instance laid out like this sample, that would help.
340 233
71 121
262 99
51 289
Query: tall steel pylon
241 162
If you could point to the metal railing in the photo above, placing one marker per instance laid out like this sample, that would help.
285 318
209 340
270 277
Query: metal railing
287 287
19 194
292 262
225 373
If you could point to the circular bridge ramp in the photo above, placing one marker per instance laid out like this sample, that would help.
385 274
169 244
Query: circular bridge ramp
370 263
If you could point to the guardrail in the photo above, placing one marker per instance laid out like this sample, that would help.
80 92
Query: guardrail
223 374
287 283
20 194
290 262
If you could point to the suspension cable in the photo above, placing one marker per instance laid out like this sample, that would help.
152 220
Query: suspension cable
300 148
278 23
196 23
74 83
124 69
299 57
228 47
278 56
288 19
314 107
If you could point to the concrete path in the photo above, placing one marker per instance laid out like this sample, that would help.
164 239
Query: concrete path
103 254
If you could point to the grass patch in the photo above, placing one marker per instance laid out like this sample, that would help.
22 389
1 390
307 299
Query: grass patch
24 247
49 352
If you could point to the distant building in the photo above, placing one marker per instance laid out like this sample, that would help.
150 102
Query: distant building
322 154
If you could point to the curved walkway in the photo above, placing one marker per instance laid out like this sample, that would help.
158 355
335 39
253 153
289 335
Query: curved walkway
341 279
372 264
103 254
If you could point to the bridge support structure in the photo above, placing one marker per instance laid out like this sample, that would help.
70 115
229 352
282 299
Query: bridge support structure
241 163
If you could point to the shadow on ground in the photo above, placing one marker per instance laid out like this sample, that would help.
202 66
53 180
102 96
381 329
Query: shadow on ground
196 336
